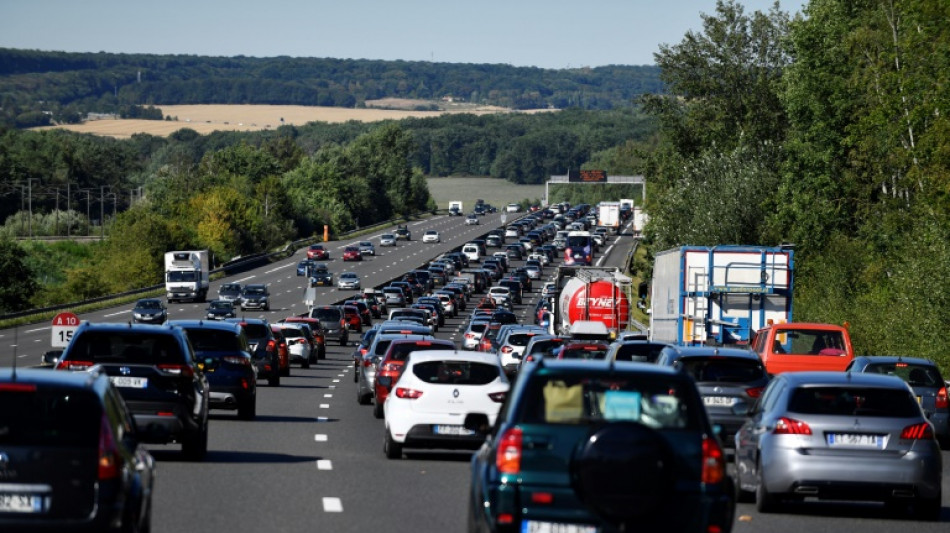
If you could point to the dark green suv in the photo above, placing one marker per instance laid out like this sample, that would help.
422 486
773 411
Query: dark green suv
600 446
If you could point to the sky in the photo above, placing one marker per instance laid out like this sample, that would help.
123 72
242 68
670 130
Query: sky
541 33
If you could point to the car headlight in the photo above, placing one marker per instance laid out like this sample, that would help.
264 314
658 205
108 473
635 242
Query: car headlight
138 315
210 315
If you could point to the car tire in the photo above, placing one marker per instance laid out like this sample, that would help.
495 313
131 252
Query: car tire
248 409
765 502
378 410
362 399
391 448
928 509
195 446
285 372
344 340
356 374
274 380
306 362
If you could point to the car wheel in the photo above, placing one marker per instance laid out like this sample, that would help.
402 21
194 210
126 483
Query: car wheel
343 340
248 409
323 352
362 399
274 380
306 362
764 501
195 447
356 374
391 448
742 496
285 372
378 410
928 509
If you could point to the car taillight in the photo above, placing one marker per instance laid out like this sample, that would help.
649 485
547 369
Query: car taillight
921 431
178 370
236 360
497 397
367 362
469 335
508 455
942 401
408 394
506 349
74 365
714 465
790 426
17 387
392 366
754 392
271 345
108 454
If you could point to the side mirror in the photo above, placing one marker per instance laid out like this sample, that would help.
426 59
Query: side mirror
477 422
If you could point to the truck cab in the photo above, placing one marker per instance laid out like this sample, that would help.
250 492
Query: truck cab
800 346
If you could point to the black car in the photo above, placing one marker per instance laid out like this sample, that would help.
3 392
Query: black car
334 324
612 446
149 311
222 351
262 345
72 456
402 232
255 296
219 310
320 276
155 370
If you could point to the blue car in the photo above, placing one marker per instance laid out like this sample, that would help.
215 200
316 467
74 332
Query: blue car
303 266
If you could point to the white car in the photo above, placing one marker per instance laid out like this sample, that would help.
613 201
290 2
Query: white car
500 295
387 239
348 281
298 345
472 220
512 233
429 403
513 208
431 236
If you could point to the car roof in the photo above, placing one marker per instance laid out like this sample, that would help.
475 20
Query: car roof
44 376
207 324
860 379
453 355
871 359
683 352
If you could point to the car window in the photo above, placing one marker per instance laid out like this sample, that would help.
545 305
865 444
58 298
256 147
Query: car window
326 315
584 399
292 332
587 351
212 340
854 401
809 342
136 348
914 374
49 417
256 331
721 369
644 353
456 372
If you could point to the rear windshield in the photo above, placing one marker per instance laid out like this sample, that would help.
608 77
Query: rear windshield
213 340
643 353
722 369
520 339
135 348
326 315
915 375
809 342
853 401
654 401
382 346
587 351
479 327
401 351
456 372
292 332
60 417
546 348
256 331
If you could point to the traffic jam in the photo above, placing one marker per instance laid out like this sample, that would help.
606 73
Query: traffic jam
484 376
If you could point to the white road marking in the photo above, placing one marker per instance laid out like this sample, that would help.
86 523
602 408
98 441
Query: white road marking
278 268
322 419
324 464
22 356
245 279
332 386
324 406
117 314
336 381
320 437
37 329
328 396
332 505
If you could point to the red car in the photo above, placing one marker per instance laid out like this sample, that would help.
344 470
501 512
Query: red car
351 314
318 251
393 362
352 253
283 352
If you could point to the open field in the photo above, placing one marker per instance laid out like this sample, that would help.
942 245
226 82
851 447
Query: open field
208 118
496 192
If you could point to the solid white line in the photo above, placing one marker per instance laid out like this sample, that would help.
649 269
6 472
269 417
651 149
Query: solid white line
37 329
324 464
245 279
319 437
332 505
278 268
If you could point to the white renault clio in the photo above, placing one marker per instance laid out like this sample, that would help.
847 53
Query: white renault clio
435 394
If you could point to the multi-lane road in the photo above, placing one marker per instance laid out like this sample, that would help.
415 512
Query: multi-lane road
313 460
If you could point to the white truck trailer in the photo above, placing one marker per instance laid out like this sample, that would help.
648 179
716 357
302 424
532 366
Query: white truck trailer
187 275
608 216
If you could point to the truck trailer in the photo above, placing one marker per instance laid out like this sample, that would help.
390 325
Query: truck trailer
608 216
719 295
187 275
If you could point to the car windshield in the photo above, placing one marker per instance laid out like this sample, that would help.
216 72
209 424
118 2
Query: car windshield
327 315
149 304
230 288
352 249
646 352
456 372
854 401
348 276
175 276
135 347
567 398
254 290
256 331
916 375
49 417
213 340
389 236
723 369
366 243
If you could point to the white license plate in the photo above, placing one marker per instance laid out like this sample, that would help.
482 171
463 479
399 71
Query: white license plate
855 440
20 503
719 401
129 382
452 430
532 526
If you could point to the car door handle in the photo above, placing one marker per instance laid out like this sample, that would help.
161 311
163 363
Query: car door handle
538 444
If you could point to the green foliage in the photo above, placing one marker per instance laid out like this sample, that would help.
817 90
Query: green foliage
19 281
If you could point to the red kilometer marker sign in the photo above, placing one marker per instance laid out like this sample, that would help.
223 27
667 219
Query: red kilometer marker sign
64 325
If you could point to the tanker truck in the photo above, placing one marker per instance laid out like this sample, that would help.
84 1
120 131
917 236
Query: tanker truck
589 296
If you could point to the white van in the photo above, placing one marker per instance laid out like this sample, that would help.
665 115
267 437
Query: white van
513 208
471 251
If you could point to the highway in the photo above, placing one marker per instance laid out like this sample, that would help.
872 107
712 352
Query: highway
313 459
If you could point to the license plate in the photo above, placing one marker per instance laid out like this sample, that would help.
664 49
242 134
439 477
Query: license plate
452 430
855 440
129 382
532 526
719 401
21 503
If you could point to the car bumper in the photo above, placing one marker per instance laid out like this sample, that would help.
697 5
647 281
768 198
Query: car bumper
253 305
230 397
348 286
146 319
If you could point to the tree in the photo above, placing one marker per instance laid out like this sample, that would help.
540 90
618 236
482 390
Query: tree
19 282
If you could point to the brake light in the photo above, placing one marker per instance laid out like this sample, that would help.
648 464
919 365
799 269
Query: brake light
497 397
506 349
790 426
74 365
271 344
407 394
942 401
754 392
921 431
469 335
17 387
392 366
236 360
178 370
714 465
508 456
543 498
108 454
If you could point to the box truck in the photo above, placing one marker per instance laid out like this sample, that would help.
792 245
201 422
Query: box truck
187 275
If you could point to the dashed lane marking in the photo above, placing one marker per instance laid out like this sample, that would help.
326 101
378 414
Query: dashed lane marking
328 396
320 437
324 406
332 505
324 464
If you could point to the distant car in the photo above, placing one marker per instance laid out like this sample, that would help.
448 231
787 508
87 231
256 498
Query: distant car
318 251
348 281
402 232
513 208
320 276
219 310
73 459
304 266
255 296
231 292
300 344
352 253
431 236
149 311
472 220
367 248
334 325
387 239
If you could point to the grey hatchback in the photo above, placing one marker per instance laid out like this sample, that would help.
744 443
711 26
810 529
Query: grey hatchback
839 435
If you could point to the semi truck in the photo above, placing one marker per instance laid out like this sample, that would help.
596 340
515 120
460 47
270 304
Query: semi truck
187 275
608 216
590 294
719 295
